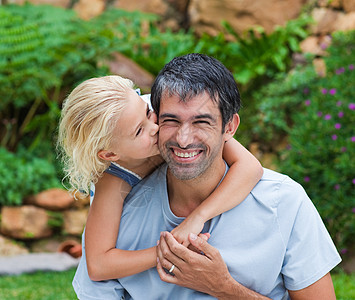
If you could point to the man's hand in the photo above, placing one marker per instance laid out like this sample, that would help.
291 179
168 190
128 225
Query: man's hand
205 272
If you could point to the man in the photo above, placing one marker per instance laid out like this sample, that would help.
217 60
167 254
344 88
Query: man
273 245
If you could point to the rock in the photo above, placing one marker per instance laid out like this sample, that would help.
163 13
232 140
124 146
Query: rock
74 221
335 3
320 67
88 9
349 5
125 67
52 199
311 45
9 247
332 3
25 222
206 16
325 19
159 7
50 244
345 22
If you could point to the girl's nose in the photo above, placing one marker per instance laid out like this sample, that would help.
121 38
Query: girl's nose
154 125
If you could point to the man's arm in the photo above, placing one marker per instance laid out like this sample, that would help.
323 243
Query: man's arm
322 289
206 273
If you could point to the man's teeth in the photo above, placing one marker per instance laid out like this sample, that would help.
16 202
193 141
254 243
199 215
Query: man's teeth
180 154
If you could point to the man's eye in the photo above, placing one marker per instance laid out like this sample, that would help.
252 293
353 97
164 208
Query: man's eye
169 120
202 122
139 131
149 112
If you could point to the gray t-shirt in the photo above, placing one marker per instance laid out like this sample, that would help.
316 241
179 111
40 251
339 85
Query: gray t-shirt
273 241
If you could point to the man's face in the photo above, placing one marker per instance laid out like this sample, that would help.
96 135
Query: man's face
190 135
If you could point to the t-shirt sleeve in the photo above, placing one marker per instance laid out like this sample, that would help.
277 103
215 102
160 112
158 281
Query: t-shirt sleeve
310 251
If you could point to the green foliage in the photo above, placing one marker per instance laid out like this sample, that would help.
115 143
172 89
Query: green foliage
55 219
139 38
23 175
256 53
318 115
43 50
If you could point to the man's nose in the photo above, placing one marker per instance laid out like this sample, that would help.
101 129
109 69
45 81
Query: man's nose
184 136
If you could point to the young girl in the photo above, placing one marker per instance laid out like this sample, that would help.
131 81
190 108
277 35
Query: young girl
109 137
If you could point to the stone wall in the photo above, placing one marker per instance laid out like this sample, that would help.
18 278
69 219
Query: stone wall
47 222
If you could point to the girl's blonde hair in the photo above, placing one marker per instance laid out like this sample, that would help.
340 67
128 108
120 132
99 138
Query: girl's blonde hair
89 115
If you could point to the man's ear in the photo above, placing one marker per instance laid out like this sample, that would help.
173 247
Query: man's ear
231 127
108 155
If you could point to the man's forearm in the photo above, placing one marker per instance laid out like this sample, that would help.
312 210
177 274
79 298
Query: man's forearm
232 290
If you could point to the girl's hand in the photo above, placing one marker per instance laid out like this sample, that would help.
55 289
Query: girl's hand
192 224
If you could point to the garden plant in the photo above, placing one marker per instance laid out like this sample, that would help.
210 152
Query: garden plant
315 115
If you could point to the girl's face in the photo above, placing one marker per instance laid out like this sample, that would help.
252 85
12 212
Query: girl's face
136 131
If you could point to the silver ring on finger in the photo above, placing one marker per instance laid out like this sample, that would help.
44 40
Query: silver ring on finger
172 269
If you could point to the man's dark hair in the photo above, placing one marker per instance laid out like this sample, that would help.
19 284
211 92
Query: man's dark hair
193 74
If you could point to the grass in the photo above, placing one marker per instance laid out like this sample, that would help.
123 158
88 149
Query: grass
57 285
344 285
38 286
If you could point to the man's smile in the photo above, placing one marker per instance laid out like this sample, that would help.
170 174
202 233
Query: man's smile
185 155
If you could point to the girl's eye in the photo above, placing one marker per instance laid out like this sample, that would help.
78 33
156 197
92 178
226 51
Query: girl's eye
149 112
139 131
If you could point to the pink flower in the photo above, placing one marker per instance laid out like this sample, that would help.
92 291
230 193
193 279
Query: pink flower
352 106
353 138
354 183
334 137
336 187
319 114
343 251
340 114
327 117
337 126
307 102
343 149
351 67
339 71
324 91
339 103
306 179
332 91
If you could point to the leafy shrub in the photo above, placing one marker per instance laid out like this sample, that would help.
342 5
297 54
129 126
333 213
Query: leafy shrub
44 50
256 53
23 175
139 37
318 114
